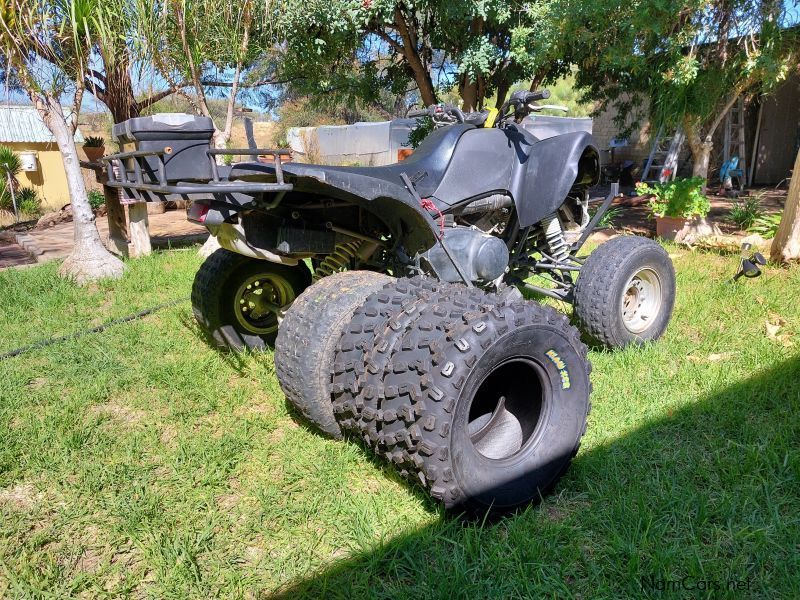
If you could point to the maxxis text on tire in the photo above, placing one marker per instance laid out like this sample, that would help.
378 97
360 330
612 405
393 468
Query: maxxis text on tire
220 298
625 292
304 349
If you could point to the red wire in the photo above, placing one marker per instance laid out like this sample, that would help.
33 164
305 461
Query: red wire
428 205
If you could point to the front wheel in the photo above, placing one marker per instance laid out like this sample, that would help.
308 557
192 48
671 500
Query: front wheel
240 301
625 292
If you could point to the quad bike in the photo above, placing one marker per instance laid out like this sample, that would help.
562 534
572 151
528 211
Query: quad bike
397 288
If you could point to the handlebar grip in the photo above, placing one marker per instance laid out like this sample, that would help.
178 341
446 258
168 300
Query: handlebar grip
538 95
419 112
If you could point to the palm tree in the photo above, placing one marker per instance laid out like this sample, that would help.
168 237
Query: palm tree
10 166
46 44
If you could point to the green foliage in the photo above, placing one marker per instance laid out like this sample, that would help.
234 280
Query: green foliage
420 132
679 198
92 141
28 202
745 211
669 53
10 166
10 163
607 220
360 48
96 199
766 226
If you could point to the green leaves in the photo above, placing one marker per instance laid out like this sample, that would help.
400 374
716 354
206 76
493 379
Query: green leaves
679 198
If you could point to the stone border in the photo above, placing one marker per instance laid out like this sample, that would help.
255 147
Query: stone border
27 243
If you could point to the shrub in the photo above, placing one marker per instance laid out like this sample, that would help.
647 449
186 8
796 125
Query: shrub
744 212
28 202
607 220
682 198
96 199
766 226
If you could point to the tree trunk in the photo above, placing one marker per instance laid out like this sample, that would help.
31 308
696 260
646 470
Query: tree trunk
701 148
786 245
469 94
119 97
422 76
89 259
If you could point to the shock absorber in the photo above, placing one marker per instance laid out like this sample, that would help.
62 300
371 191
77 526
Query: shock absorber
554 238
339 260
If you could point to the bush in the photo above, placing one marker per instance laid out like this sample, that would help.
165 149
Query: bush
28 202
766 226
682 198
744 212
96 199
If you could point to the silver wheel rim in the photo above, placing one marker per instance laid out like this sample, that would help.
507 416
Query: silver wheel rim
261 301
641 301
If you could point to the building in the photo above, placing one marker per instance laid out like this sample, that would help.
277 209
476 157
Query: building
775 149
22 130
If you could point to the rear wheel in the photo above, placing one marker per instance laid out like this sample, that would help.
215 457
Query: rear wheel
304 350
625 292
240 301
488 409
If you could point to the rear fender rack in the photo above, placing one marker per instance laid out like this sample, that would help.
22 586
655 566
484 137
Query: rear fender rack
134 184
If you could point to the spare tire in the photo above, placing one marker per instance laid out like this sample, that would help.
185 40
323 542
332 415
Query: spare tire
309 333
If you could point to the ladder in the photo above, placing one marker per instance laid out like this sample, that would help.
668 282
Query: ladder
734 144
662 163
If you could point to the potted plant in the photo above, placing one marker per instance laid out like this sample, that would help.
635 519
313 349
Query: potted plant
679 206
94 148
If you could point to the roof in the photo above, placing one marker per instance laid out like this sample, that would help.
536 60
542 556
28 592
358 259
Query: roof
23 124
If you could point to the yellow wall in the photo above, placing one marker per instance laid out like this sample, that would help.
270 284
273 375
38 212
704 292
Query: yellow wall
49 181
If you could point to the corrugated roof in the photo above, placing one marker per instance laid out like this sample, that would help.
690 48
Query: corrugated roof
23 124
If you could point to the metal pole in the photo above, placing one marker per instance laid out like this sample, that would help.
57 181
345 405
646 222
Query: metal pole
13 196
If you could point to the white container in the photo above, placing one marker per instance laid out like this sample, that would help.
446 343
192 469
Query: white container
28 161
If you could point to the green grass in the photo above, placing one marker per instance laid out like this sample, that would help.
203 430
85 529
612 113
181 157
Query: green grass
138 462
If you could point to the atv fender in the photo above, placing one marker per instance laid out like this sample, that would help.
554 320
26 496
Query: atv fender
551 169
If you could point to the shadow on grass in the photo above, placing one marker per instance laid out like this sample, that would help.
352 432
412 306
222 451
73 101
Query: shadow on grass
701 503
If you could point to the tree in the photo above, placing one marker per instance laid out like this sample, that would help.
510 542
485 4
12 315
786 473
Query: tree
115 46
46 45
203 45
786 245
481 47
692 60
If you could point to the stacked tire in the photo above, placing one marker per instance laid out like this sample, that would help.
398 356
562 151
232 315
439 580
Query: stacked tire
480 399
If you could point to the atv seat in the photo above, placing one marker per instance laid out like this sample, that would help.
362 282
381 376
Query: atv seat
426 166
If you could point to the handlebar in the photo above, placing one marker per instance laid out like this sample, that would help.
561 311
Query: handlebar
419 112
437 110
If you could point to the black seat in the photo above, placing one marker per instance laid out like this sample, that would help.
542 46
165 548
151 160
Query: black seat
426 166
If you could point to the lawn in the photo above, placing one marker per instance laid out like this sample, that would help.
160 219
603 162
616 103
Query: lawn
138 462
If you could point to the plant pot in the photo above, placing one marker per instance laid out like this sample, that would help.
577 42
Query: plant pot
94 153
668 228
688 231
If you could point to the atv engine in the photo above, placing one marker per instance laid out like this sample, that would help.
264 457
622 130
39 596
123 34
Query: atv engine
483 257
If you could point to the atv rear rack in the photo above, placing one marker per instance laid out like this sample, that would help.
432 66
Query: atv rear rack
133 180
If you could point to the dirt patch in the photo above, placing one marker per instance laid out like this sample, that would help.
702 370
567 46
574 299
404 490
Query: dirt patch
21 497
118 413
37 383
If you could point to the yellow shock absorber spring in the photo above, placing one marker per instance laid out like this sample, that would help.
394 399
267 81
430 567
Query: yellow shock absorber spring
339 260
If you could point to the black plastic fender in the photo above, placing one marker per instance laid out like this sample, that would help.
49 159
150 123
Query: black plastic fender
548 170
